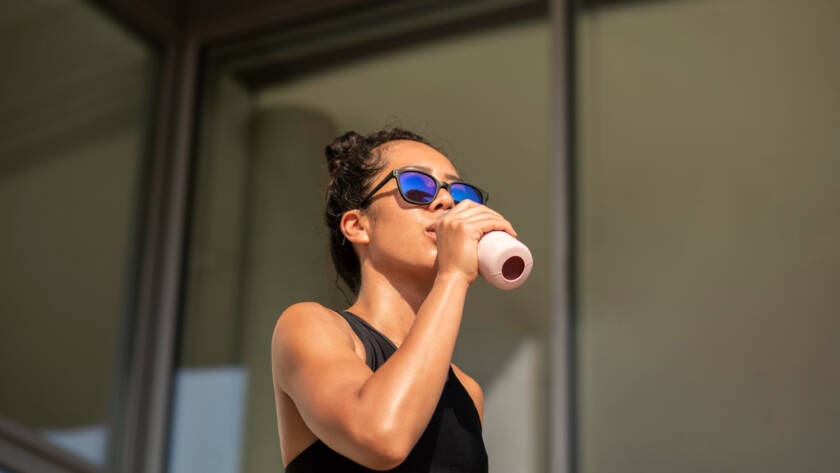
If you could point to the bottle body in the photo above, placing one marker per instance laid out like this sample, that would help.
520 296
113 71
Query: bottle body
503 261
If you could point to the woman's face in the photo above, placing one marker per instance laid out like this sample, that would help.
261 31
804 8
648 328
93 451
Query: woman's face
400 244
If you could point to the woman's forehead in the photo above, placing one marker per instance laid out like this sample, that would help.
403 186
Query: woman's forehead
412 154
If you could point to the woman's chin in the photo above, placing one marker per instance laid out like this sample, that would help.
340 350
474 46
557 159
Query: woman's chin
430 270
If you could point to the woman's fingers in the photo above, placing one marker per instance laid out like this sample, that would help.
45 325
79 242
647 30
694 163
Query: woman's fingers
474 212
488 224
458 232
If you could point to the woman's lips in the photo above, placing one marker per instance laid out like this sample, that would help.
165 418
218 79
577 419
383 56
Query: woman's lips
432 234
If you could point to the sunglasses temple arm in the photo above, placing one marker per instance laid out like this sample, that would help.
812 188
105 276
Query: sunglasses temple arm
378 186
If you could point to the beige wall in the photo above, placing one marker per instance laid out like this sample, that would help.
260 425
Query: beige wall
709 236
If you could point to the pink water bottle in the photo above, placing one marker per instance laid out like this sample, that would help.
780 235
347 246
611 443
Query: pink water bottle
503 260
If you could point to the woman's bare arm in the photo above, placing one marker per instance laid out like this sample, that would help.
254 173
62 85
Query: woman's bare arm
372 418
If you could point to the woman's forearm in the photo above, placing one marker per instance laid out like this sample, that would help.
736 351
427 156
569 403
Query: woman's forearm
402 394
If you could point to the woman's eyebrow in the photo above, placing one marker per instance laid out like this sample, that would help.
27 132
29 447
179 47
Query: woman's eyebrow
430 171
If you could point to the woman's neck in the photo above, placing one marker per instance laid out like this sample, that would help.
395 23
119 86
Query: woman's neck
389 304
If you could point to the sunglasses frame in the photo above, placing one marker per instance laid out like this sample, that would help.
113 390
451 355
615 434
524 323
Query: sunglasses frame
438 184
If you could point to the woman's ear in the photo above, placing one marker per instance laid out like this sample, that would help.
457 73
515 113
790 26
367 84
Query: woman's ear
354 225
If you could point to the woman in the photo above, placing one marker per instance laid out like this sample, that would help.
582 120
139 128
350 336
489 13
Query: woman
372 387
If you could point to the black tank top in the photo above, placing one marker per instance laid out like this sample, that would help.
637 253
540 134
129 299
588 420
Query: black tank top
451 443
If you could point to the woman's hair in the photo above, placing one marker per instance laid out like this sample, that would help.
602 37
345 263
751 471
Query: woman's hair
352 164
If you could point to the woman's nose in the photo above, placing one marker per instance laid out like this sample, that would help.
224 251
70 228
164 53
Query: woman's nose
443 200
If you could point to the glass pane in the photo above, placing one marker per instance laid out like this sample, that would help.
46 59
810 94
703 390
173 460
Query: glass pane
73 106
259 243
709 261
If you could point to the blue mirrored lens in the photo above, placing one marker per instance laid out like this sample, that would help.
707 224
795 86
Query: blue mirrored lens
463 191
417 187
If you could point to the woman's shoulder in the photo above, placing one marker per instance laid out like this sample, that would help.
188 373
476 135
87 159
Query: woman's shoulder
308 322
307 334
305 307
304 314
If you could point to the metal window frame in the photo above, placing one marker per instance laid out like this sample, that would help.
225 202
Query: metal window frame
24 451
140 414
563 358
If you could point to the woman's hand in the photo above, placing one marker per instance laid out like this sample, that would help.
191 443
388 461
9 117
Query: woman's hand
458 232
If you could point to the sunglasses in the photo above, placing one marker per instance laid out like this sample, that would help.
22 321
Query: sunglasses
418 187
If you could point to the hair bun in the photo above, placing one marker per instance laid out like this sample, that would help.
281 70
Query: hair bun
342 150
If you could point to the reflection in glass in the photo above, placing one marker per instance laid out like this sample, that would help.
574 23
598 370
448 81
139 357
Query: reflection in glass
73 101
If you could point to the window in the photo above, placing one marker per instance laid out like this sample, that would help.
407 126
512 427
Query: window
74 102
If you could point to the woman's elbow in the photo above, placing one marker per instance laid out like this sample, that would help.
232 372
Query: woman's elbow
386 460
387 448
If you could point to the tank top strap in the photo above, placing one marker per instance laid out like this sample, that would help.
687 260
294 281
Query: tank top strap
378 348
